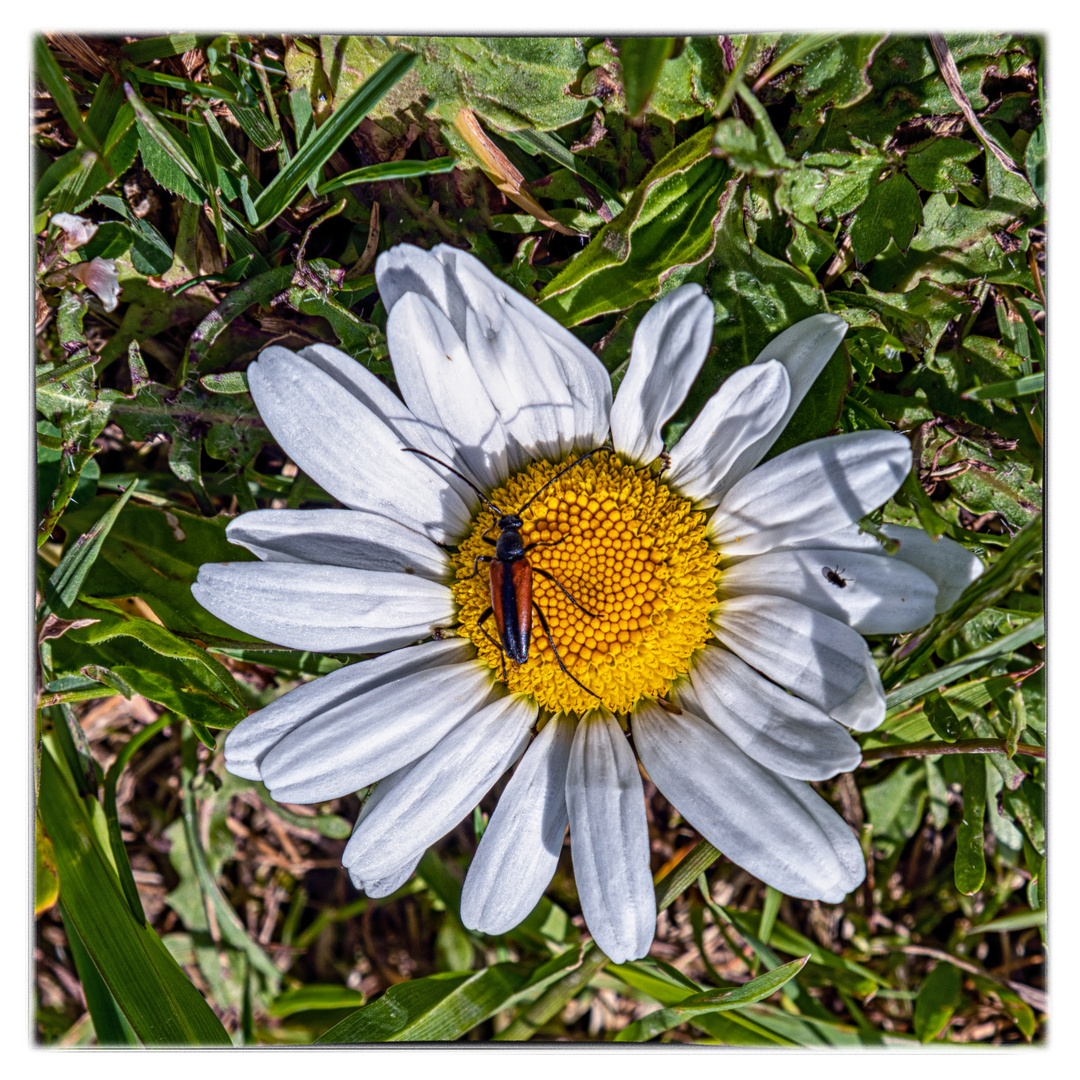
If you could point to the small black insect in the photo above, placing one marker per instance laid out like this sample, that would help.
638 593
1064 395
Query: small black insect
835 577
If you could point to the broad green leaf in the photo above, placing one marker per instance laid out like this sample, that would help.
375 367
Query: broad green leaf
667 225
156 555
1035 161
969 867
938 165
955 244
641 60
150 254
894 806
511 82
939 997
155 996
46 884
892 211
835 74
942 719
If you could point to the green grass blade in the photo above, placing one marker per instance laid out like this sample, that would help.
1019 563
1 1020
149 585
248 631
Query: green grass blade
155 996
972 662
316 152
388 170
711 1001
547 144
1008 388
48 70
66 580
160 48
110 1027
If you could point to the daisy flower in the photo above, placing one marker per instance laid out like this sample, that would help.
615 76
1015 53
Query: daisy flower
702 612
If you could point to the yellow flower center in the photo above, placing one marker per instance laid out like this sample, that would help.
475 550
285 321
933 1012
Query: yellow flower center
629 551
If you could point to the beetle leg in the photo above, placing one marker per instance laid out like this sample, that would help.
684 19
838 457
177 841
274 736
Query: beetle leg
484 616
546 543
475 570
547 634
565 592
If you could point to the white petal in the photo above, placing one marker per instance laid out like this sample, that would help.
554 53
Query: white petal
812 489
778 730
366 738
249 742
406 269
392 882
339 538
804 349
345 447
386 405
441 787
738 423
384 886
948 564
879 595
440 385
777 828
669 348
520 848
580 372
609 839
324 608
458 283
519 372
822 660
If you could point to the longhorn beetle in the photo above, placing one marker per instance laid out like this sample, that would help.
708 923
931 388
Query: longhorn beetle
510 575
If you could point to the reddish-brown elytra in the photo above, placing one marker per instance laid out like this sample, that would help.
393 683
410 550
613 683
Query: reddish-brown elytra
833 577
510 575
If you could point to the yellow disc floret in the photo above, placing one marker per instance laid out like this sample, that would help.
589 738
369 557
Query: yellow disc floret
630 552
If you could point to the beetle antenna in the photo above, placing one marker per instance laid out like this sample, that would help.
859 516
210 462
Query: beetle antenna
565 469
439 461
